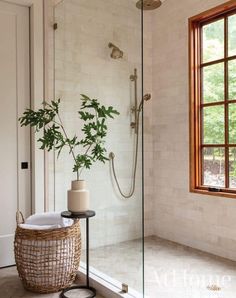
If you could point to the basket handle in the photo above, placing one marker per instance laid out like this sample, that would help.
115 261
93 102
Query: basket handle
19 217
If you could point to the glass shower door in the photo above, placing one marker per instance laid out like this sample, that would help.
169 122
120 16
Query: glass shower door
98 52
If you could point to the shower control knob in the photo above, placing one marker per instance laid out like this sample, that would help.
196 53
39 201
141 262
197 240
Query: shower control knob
132 124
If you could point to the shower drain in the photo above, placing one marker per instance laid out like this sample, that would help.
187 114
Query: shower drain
213 288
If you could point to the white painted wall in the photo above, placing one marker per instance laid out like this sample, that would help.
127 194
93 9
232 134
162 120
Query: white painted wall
204 222
15 183
37 95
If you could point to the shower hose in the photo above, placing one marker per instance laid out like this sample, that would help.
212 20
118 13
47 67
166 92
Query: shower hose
112 157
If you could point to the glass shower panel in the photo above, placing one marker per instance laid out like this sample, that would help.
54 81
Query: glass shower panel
98 52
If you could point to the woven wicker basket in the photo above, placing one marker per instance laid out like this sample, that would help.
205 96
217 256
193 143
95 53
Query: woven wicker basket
47 260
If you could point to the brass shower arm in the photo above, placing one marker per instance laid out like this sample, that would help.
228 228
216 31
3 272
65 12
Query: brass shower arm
111 45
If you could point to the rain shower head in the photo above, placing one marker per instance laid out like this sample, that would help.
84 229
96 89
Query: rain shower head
148 4
116 52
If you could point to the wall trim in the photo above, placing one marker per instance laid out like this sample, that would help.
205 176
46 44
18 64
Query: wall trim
37 95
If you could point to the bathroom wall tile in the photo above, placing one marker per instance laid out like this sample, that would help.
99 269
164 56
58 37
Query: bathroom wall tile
203 222
83 65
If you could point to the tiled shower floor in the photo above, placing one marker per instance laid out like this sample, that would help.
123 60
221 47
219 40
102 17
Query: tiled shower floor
171 270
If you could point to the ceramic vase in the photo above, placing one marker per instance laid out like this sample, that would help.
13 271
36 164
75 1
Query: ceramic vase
78 197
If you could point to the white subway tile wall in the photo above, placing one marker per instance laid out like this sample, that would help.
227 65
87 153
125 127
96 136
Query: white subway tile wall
171 211
83 65
203 222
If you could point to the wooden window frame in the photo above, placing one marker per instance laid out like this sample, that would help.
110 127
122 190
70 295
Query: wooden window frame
195 81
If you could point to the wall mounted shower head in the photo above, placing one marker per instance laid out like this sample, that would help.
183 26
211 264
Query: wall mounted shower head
116 52
146 97
148 4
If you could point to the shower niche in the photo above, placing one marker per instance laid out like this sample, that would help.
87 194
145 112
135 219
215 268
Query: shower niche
97 47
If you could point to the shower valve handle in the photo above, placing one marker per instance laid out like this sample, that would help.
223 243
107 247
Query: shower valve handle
133 125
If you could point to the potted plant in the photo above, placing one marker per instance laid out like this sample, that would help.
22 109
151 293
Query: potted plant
85 150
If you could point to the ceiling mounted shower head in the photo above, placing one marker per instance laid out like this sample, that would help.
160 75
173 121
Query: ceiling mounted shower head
116 52
148 4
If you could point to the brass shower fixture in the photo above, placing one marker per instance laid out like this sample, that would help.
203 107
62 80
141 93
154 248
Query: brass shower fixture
134 78
136 110
148 4
116 52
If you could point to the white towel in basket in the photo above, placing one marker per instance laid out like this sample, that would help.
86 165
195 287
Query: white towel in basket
48 219
41 227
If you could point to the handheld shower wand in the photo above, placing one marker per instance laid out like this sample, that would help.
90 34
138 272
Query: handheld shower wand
137 110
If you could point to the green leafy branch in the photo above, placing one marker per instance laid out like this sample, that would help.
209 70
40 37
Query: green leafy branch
92 113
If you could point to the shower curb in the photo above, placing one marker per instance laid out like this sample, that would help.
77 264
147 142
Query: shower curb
105 285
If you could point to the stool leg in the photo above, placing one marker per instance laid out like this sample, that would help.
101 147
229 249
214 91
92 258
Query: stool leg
87 251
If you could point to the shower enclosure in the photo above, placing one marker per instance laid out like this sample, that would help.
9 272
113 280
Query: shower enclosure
98 52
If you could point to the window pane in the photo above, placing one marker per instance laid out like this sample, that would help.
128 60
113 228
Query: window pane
214 167
232 79
213 41
232 35
213 83
232 167
232 123
213 125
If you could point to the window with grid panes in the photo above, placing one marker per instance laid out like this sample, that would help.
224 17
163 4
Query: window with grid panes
213 101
